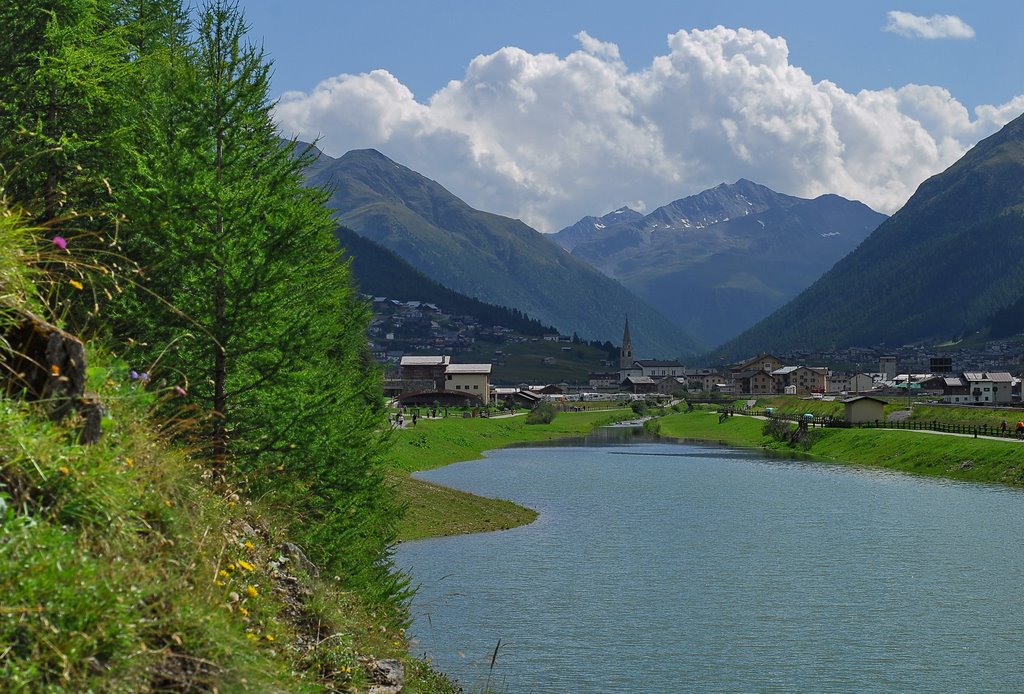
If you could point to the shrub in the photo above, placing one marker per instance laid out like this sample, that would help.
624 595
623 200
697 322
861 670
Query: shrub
544 413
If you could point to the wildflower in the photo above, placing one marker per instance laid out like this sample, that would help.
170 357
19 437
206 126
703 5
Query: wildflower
76 284
268 637
134 374
244 611
223 574
54 370
249 545
251 636
218 583
64 470
231 567
130 462
246 565
60 242
251 591
180 391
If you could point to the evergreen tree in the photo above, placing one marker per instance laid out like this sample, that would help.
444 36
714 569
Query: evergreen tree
266 331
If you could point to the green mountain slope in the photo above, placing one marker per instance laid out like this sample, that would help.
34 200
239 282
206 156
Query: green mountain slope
487 256
944 264
380 272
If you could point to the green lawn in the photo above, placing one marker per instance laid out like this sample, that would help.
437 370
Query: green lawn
963 458
433 510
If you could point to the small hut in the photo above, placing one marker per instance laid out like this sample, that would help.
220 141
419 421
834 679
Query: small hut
864 408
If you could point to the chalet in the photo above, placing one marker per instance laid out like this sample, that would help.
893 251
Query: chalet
806 379
762 362
639 384
672 385
704 379
754 382
989 387
473 379
424 372
434 378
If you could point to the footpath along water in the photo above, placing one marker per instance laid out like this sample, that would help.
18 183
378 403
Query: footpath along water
668 568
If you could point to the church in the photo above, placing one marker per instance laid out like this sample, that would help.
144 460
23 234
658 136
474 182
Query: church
643 372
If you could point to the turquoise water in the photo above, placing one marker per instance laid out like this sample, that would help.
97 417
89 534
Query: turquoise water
667 568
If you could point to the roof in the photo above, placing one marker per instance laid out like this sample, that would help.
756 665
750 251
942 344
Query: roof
659 362
784 370
993 376
864 397
433 360
953 381
638 380
468 369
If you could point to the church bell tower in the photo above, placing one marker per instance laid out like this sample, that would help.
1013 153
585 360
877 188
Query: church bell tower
626 356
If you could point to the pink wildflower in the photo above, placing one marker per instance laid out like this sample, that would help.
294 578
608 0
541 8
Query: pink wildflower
60 242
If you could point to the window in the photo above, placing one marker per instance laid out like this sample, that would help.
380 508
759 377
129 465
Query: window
476 387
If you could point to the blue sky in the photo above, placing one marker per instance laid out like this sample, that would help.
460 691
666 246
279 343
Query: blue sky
716 114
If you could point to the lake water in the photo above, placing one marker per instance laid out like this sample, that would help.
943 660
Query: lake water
670 568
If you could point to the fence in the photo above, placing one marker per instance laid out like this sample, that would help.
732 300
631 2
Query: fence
910 425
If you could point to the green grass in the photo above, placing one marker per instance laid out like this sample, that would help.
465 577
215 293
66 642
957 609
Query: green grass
123 569
433 510
937 455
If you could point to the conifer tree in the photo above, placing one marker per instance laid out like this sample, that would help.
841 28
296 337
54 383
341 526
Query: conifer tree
267 332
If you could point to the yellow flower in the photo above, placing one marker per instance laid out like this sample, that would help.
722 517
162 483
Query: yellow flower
268 637
251 591
243 611
231 567
54 370
246 565
76 284
249 545
218 583
130 462
223 574
251 636
63 469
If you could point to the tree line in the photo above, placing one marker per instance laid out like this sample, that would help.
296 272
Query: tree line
142 134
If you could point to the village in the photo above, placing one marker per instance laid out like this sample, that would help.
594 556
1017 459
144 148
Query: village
434 379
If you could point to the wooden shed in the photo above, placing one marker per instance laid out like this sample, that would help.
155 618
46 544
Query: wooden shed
864 408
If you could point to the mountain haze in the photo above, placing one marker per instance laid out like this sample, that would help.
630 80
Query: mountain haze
945 264
719 261
486 256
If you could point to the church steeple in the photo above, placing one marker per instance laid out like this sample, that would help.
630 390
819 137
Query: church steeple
626 356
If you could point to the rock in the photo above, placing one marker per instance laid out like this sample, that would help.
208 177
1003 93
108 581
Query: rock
47 364
388 676
297 556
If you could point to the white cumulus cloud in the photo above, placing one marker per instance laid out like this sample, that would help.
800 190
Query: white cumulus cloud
939 26
549 139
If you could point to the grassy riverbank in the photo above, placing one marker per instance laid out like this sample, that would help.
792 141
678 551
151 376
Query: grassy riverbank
434 511
936 455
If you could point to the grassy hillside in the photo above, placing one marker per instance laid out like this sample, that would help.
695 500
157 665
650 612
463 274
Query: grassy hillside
936 455
124 569
942 266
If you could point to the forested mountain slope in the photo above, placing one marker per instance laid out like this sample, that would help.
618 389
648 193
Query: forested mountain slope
942 265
